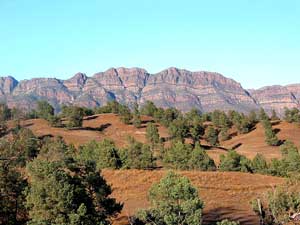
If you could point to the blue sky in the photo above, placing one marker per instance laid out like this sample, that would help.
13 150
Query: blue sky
256 42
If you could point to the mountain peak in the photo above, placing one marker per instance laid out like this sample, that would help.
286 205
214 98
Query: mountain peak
172 87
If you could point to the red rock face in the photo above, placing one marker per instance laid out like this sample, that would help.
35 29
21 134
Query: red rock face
172 87
277 97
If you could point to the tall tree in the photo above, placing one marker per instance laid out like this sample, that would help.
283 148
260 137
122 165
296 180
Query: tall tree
68 193
152 134
44 109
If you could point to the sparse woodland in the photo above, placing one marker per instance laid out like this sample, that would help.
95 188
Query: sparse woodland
45 181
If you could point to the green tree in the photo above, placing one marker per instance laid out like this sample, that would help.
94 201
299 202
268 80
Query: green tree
233 161
292 115
125 114
270 135
199 160
5 112
54 121
281 205
211 135
253 117
169 115
224 135
152 134
178 155
64 193
274 115
12 187
227 222
44 109
104 153
174 201
179 129
259 164
148 109
136 118
137 155
75 116
289 163
195 125
56 197
263 115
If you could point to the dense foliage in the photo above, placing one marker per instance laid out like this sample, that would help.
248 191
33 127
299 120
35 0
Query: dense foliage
174 201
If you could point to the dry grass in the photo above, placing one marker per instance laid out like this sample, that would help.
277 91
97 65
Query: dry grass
95 127
254 142
226 194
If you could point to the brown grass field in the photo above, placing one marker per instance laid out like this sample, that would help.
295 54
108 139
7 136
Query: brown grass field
226 194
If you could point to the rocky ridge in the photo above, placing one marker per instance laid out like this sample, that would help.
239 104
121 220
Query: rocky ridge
172 87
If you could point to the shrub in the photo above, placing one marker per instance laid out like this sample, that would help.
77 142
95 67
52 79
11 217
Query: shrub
259 164
104 153
233 161
74 116
148 109
125 114
199 160
174 201
152 134
44 110
211 135
137 156
270 136
227 222
292 115
69 193
281 205
178 155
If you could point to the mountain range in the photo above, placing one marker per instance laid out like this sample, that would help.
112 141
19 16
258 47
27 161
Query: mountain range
172 87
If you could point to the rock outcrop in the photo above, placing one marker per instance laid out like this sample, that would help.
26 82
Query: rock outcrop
172 87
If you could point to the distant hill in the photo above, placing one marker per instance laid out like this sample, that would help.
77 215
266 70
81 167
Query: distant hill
172 87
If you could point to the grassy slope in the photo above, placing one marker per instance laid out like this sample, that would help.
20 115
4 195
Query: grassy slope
225 194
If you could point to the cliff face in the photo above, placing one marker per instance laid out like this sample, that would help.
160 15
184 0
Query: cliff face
277 97
172 87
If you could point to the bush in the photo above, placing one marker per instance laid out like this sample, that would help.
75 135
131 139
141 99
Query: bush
183 156
174 201
270 136
74 116
199 160
233 161
178 155
211 135
152 134
259 164
223 135
54 121
292 115
136 118
68 193
179 129
104 153
289 163
44 110
125 114
148 109
281 205
227 222
137 156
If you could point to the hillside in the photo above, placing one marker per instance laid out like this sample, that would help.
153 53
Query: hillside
172 87
109 126
226 194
